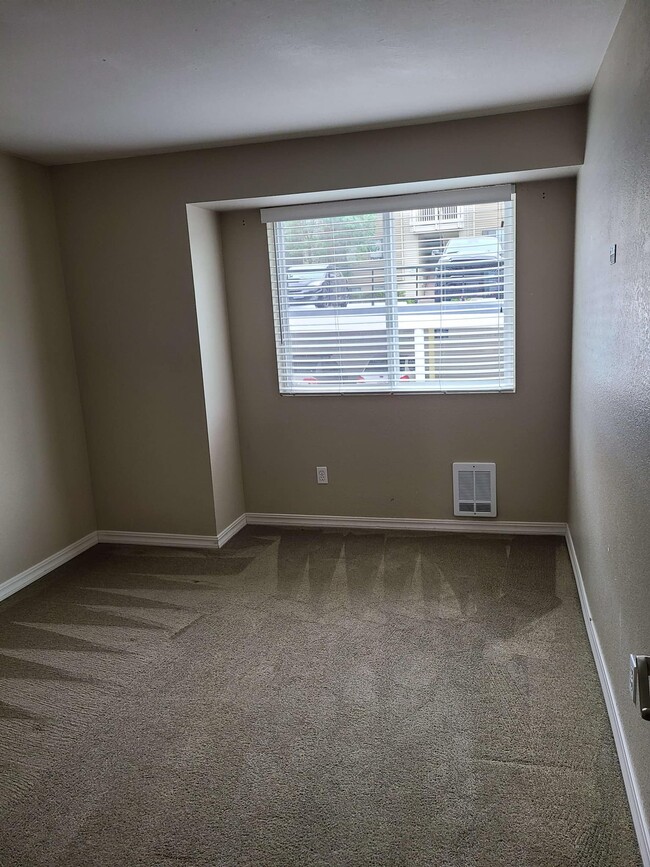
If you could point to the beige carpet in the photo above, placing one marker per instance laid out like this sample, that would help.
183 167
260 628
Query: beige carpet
307 698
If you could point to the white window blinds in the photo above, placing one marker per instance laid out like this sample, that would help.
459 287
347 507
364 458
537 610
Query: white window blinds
412 299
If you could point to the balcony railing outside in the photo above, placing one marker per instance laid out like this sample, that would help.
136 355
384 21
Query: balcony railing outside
442 214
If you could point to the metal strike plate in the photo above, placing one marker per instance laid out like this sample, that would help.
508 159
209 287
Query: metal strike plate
643 685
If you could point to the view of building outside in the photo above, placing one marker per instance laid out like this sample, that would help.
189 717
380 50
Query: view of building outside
423 234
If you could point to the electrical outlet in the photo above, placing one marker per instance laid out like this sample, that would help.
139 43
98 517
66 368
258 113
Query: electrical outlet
321 475
633 677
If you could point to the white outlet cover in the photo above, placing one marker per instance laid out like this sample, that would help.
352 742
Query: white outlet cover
321 475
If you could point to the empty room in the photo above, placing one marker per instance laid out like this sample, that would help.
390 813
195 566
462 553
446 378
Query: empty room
324 433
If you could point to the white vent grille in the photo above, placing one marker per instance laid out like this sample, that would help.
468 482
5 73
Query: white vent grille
475 490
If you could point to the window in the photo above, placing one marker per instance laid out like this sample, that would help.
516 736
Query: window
401 294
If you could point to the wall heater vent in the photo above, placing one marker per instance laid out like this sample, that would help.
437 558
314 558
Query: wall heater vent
475 490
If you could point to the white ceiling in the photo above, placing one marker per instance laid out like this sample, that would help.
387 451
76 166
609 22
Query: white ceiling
86 79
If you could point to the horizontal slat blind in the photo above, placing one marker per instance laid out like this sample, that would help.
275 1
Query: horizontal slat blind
418 300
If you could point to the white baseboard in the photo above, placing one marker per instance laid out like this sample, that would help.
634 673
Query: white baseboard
180 540
629 777
431 524
231 530
176 540
173 540
13 585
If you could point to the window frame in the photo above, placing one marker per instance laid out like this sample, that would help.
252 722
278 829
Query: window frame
388 206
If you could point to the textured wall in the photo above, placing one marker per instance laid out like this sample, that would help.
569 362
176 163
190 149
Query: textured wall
610 439
45 496
391 455
127 262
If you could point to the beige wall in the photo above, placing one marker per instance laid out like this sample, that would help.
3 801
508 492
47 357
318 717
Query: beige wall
610 439
216 364
129 279
391 455
45 496
128 273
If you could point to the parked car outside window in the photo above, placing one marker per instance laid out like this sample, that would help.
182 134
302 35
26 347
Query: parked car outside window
470 268
321 285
